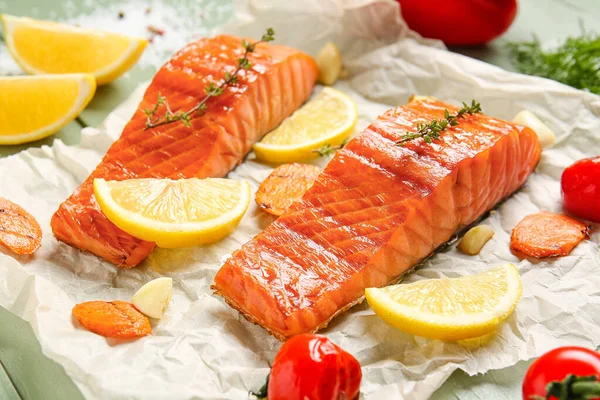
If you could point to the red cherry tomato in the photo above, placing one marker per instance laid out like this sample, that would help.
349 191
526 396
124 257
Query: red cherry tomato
311 367
556 365
580 185
459 22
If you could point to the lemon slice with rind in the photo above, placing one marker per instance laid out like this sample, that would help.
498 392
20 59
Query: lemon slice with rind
44 47
174 213
34 107
450 309
329 118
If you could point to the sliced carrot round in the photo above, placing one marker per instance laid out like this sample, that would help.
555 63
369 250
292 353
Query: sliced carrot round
19 231
115 319
286 184
547 234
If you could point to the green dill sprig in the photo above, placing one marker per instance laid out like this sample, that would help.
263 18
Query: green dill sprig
576 62
431 131
328 149
211 90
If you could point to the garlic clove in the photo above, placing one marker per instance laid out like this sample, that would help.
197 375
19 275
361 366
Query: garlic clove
475 238
544 133
153 298
329 61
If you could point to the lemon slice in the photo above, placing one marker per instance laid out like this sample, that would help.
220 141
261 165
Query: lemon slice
33 107
329 118
44 47
450 309
174 213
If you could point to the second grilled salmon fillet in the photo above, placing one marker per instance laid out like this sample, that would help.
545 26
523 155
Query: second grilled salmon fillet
375 212
279 81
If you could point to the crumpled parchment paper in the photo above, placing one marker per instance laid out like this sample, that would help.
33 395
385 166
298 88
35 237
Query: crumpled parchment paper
203 349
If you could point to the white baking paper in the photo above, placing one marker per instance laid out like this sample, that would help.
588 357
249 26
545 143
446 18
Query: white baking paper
202 349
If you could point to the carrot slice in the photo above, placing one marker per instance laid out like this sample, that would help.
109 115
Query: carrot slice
115 319
19 231
286 184
547 234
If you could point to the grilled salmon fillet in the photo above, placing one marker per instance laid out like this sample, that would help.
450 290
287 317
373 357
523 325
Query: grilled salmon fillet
279 81
376 211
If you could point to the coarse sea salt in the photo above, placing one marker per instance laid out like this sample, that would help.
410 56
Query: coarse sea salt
180 23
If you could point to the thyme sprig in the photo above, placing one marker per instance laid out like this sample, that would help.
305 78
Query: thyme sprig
328 149
211 90
431 131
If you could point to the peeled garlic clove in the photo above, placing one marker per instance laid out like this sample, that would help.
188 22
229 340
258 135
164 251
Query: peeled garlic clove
344 74
528 119
415 98
475 239
153 298
329 61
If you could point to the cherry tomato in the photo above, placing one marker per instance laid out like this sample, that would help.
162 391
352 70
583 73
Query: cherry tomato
556 365
459 22
311 367
580 185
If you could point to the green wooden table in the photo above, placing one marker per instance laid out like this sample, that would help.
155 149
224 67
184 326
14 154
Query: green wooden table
25 373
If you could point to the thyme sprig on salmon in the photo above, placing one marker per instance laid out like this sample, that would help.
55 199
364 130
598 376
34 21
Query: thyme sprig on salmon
431 131
327 149
211 90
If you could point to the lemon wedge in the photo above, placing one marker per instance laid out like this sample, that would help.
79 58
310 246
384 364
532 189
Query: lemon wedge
174 213
44 47
329 118
34 107
450 309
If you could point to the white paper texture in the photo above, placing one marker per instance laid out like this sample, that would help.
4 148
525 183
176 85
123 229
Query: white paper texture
202 349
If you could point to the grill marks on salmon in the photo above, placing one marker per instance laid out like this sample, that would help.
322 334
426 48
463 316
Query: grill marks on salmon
280 80
376 211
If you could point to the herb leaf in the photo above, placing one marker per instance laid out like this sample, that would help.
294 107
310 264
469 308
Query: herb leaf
431 131
328 149
263 392
575 63
211 90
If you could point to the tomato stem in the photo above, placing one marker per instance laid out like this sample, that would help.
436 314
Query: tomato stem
574 387
263 391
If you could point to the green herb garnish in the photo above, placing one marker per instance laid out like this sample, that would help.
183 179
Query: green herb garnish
328 149
431 131
263 391
575 63
211 90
